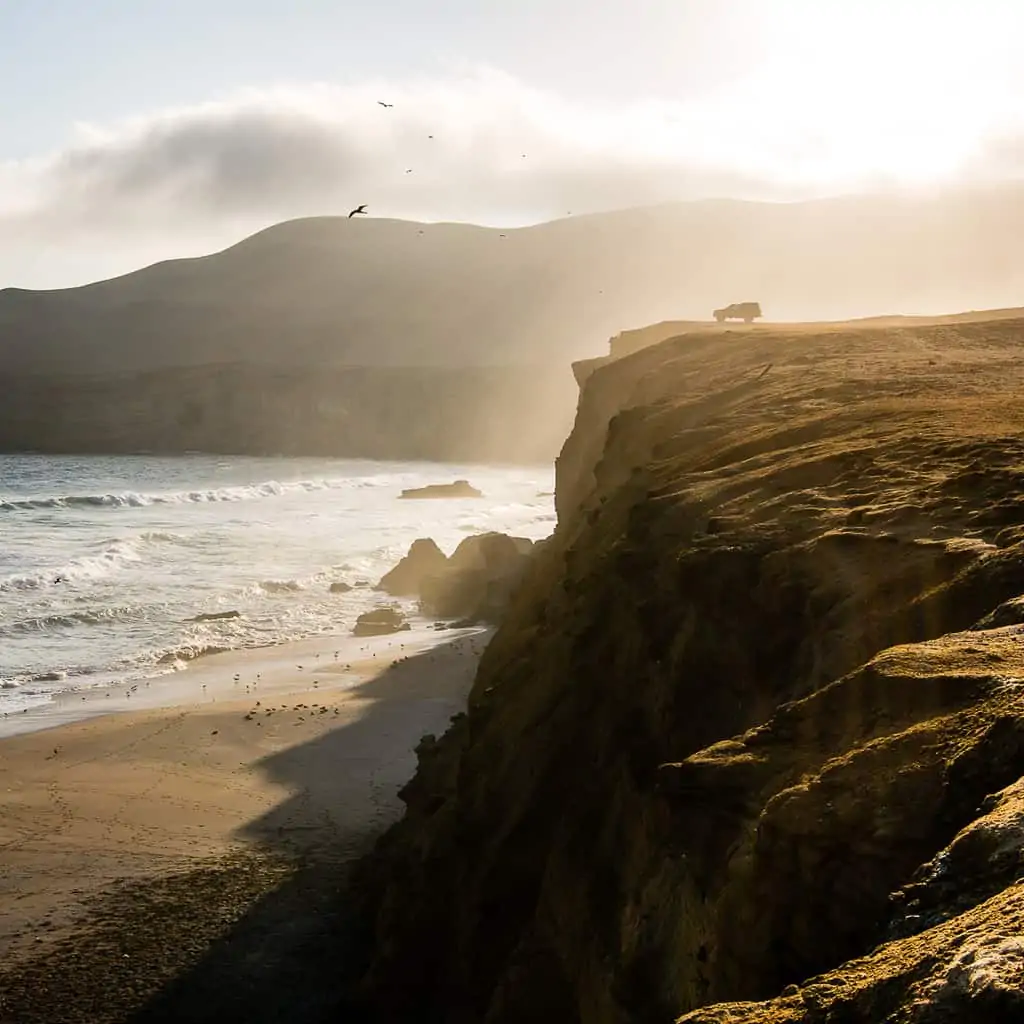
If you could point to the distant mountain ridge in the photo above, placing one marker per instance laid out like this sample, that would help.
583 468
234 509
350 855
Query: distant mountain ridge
332 291
339 294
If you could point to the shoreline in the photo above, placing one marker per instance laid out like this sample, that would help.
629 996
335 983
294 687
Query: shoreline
154 796
210 677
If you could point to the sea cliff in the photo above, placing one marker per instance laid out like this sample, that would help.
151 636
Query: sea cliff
747 745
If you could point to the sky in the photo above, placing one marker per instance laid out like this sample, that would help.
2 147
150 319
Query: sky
137 130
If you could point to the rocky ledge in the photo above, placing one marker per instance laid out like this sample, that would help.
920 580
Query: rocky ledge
748 745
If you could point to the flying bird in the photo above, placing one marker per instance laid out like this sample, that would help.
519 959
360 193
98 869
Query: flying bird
359 209
383 104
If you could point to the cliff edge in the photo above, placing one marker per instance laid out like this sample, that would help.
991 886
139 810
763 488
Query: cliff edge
748 746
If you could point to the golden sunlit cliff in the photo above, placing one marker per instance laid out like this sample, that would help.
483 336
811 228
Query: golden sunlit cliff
748 745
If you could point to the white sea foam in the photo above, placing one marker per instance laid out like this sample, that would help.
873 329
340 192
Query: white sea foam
118 569
109 559
135 499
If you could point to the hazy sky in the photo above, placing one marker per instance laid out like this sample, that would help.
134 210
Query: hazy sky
132 130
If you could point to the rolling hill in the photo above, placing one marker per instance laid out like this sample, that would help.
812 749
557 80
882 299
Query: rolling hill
498 315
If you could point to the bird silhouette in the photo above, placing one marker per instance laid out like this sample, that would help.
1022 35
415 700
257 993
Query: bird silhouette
383 104
359 209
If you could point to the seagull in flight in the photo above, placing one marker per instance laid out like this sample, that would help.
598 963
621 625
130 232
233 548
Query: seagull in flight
359 209
381 103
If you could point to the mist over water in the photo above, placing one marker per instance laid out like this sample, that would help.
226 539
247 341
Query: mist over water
110 567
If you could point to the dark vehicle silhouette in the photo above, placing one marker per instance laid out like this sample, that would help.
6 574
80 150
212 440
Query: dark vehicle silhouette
745 311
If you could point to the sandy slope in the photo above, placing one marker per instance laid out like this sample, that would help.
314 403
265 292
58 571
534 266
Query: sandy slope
287 768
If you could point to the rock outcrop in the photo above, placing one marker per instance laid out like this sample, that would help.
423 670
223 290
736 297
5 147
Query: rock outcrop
748 745
380 622
424 559
458 489
478 580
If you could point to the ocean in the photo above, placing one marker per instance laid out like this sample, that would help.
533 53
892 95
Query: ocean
112 566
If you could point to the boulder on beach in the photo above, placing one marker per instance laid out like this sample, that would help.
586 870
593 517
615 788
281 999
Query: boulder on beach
458 489
424 559
380 622
339 587
478 580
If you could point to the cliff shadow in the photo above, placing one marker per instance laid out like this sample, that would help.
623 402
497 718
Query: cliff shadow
292 953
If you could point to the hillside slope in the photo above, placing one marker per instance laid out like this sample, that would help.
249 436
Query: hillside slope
332 291
753 728
346 337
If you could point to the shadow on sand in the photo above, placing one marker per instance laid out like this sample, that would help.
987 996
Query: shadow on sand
264 936
290 957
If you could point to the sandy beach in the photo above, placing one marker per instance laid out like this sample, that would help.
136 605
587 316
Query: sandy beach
277 756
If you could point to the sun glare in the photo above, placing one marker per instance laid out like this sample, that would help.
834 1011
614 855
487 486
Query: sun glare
847 95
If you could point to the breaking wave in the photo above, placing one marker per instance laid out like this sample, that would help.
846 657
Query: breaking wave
114 557
190 652
135 499
67 620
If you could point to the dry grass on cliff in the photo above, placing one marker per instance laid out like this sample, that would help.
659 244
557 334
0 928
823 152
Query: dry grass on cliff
701 765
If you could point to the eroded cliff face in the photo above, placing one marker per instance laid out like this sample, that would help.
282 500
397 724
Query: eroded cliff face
468 414
754 724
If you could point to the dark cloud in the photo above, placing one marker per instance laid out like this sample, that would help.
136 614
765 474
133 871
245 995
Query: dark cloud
446 155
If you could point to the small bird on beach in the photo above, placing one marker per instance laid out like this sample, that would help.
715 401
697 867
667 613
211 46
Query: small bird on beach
359 209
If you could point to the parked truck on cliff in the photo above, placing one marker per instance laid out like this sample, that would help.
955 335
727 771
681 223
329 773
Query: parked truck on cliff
745 311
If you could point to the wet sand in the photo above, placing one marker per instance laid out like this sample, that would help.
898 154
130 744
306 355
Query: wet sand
257 757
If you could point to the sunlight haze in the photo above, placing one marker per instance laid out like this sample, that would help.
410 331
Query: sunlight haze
135 132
